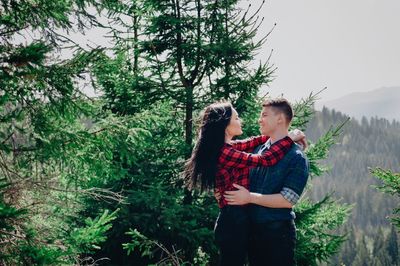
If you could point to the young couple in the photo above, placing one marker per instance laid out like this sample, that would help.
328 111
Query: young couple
258 180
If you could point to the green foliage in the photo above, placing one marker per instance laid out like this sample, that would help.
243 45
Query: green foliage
38 254
362 145
126 90
391 181
140 242
39 14
392 246
199 51
72 161
391 185
317 240
8 213
316 222
34 53
148 247
88 238
304 111
319 150
188 56
46 149
157 203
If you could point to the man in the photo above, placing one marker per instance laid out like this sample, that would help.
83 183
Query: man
273 192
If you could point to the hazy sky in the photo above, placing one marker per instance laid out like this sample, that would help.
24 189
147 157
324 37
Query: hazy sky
346 45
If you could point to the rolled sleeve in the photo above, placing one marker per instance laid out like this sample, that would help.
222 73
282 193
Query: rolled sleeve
296 181
290 195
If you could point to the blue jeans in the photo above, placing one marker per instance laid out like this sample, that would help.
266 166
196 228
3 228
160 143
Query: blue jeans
232 235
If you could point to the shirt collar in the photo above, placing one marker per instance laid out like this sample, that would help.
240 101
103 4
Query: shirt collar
265 146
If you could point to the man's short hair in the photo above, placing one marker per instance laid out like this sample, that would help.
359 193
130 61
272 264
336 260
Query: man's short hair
280 105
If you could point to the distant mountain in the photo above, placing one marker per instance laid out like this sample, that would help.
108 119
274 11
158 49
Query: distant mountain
362 145
383 102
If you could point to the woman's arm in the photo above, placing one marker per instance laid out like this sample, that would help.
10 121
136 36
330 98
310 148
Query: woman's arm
233 158
249 144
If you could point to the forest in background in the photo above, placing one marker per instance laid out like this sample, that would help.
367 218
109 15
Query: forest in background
364 144
97 180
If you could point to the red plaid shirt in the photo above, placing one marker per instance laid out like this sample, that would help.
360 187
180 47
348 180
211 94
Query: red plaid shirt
234 162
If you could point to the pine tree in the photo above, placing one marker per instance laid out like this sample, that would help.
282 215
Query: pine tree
62 152
349 249
47 152
198 52
392 246
349 177
202 48
391 185
316 221
363 257
379 243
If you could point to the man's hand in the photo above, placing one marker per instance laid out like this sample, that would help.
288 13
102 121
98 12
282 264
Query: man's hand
237 197
299 137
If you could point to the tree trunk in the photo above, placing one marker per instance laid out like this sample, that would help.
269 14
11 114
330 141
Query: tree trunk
189 116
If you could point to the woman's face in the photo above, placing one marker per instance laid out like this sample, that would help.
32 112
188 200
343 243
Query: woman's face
235 125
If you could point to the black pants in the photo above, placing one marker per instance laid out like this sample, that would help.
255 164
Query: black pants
232 235
272 244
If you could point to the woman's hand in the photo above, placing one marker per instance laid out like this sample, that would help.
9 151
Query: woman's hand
299 137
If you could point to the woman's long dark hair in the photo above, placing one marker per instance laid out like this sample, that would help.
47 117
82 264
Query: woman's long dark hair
201 168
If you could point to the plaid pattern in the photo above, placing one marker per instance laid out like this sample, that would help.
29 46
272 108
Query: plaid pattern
234 166
290 195
288 177
249 144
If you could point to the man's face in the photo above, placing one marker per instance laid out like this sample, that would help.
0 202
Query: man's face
269 120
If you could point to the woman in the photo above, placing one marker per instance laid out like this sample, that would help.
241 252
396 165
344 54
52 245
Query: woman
217 162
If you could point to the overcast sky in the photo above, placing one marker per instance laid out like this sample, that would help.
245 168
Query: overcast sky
345 45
